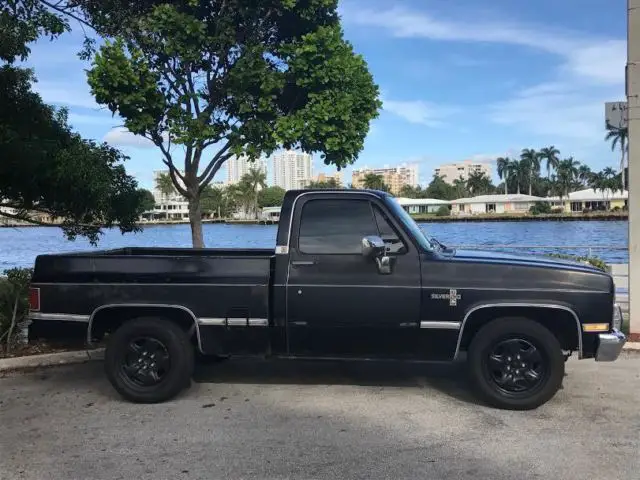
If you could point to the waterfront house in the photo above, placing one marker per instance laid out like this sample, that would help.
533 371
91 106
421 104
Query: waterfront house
590 200
416 206
482 204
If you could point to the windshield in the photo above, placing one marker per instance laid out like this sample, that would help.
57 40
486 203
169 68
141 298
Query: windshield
425 241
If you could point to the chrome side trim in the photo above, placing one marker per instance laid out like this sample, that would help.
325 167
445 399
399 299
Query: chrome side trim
233 322
61 317
519 304
145 305
140 284
440 325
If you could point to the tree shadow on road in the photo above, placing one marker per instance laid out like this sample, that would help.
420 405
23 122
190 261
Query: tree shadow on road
448 378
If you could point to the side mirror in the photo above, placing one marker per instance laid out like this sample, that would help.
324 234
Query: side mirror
373 246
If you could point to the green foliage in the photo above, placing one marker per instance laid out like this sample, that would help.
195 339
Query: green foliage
329 183
479 183
218 202
45 168
271 197
443 211
441 190
594 261
539 208
164 184
374 182
241 77
14 303
147 202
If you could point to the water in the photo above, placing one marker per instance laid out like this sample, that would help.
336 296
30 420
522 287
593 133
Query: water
19 246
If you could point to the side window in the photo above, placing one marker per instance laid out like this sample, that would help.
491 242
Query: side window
388 233
335 226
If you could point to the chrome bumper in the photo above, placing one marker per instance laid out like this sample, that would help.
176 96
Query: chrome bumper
610 345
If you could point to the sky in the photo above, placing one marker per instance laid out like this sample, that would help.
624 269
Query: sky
458 80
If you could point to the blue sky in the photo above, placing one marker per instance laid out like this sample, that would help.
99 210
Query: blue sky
459 80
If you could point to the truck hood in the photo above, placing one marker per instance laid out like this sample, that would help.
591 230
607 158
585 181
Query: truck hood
492 257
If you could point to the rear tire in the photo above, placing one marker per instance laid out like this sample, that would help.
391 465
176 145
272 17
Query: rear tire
515 364
149 360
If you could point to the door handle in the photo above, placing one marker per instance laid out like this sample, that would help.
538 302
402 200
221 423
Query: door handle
303 263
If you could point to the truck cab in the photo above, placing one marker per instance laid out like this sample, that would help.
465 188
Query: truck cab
352 276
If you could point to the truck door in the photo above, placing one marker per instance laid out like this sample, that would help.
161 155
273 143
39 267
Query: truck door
338 302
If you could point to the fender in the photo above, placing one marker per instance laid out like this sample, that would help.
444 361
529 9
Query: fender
554 306
145 305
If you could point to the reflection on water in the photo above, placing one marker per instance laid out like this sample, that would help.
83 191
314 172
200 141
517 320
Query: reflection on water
19 246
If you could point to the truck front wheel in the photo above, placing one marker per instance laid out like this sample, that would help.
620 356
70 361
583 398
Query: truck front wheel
149 360
516 363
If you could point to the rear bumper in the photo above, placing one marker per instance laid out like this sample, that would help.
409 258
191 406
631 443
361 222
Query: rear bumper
610 345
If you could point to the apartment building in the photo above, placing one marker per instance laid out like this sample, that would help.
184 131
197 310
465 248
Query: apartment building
237 167
450 172
291 170
326 177
394 177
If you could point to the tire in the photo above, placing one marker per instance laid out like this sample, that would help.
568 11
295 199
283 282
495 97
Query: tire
165 344
492 358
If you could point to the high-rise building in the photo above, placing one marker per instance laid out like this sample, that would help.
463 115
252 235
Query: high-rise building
449 172
237 167
394 177
291 169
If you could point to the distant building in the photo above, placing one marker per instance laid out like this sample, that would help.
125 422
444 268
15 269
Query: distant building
291 170
417 206
326 177
171 206
237 167
394 177
501 203
593 200
450 172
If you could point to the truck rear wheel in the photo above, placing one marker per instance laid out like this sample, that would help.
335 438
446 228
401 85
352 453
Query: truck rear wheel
515 364
149 360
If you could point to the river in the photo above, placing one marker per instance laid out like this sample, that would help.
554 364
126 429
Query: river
20 246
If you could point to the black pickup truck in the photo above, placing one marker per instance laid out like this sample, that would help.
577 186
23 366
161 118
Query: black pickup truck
351 277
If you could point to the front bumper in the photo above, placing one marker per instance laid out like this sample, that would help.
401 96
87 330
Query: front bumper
610 345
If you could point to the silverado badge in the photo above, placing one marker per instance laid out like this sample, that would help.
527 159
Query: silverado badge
453 296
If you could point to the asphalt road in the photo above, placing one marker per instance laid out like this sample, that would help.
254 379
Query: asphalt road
277 420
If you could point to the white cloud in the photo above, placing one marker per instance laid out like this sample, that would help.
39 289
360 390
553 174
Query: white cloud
76 119
601 60
121 137
418 111
66 94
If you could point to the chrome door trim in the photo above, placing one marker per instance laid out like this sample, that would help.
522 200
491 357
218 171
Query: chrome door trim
440 325
61 317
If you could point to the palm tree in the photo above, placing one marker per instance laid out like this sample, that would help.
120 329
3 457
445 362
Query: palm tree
584 174
164 184
479 183
515 172
619 136
251 183
503 171
566 174
550 154
375 182
530 161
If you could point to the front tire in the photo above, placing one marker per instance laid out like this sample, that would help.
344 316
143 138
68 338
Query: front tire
149 360
515 364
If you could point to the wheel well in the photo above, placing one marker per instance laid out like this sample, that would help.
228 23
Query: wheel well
107 320
558 321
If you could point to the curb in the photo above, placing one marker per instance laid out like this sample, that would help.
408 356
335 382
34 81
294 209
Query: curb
50 360
631 347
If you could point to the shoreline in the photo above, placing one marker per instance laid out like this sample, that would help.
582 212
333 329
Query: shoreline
564 217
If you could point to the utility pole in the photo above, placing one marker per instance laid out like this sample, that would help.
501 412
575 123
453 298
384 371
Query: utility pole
633 102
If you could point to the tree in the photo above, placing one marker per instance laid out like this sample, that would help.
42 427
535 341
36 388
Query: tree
234 78
460 188
326 184
551 155
566 175
441 190
45 167
618 137
411 191
504 171
584 174
374 182
219 202
530 163
478 183
271 197
253 182
164 185
515 174
147 202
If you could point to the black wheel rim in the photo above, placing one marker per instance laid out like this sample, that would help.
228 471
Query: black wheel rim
516 367
146 361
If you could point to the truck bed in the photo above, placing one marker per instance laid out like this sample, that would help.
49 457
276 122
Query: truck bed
209 282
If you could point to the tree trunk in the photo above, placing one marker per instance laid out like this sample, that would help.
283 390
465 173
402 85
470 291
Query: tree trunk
506 186
530 183
195 219
622 165
13 324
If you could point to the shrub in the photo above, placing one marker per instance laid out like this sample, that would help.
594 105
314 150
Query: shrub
540 208
557 210
615 209
443 211
14 303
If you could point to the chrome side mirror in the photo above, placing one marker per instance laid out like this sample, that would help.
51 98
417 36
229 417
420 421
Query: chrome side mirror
372 246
